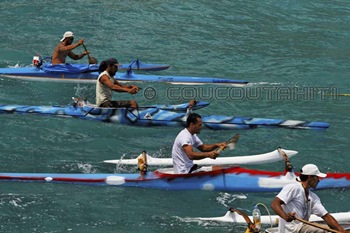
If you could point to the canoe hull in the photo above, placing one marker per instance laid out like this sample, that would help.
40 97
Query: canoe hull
153 116
36 74
234 179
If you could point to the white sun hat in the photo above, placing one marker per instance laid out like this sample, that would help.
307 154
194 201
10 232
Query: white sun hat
67 34
312 170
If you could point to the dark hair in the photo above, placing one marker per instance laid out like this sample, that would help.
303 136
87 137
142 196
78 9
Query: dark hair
303 177
192 118
103 66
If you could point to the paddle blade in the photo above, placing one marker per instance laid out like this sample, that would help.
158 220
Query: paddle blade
234 139
231 143
92 60
231 146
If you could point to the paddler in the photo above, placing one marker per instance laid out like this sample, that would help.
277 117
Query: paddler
183 152
64 49
297 201
106 84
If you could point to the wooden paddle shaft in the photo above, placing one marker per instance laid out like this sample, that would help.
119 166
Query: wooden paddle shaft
316 225
92 60
86 51
220 149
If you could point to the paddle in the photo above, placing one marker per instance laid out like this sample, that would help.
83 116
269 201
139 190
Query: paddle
337 94
316 225
231 143
288 164
92 60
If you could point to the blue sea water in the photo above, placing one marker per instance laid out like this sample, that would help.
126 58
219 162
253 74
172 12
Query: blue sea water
291 52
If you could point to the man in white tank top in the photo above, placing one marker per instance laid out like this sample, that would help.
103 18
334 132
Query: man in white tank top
106 84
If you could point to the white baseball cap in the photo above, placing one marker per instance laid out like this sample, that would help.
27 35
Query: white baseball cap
312 170
67 34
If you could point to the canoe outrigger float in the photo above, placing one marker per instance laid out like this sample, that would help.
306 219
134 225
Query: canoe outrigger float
269 157
158 115
88 73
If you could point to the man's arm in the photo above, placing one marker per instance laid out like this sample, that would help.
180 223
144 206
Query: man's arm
193 155
211 147
76 56
69 48
118 87
276 205
131 88
333 223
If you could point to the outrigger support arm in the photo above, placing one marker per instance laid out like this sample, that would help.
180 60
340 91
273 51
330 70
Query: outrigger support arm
288 164
251 226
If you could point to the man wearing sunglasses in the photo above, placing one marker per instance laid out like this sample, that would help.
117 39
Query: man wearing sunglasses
64 49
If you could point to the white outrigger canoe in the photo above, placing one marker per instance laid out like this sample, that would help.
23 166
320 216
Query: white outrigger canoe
269 157
233 217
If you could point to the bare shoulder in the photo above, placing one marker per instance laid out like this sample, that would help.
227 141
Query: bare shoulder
105 79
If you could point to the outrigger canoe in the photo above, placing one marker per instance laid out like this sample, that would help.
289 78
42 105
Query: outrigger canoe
239 216
156 115
45 65
269 157
234 217
88 73
345 225
232 179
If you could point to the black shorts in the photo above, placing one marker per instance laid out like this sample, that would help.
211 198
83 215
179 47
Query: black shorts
194 167
116 104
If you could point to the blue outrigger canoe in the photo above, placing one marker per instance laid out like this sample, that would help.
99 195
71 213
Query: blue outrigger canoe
88 73
233 179
157 115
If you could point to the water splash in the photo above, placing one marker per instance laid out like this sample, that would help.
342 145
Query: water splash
226 198
86 168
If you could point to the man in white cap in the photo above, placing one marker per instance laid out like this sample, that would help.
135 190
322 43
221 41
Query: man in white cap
64 49
296 200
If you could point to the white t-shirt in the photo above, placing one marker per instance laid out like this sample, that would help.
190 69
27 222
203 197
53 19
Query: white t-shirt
182 164
293 195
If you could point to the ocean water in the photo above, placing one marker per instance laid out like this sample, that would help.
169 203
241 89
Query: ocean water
293 53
